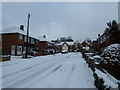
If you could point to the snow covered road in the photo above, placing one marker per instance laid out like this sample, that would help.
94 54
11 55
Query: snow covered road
52 71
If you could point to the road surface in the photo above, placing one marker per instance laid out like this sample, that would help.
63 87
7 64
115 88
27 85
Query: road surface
51 71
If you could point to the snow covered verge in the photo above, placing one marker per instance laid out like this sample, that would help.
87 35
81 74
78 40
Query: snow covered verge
106 80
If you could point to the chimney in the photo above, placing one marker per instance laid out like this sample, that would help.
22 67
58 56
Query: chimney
98 35
44 36
22 27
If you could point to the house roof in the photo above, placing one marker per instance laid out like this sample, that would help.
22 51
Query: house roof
41 38
15 30
69 43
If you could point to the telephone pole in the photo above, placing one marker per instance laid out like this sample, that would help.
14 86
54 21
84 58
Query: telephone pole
27 36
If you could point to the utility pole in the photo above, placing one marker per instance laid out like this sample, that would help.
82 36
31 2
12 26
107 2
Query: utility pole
27 36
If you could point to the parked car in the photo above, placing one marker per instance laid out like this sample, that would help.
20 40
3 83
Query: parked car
64 51
97 59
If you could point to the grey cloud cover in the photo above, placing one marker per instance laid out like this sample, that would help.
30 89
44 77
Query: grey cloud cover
55 19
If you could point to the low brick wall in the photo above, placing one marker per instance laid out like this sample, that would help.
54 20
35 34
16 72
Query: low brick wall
5 58
38 54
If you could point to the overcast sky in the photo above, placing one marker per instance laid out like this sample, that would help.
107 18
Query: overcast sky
80 20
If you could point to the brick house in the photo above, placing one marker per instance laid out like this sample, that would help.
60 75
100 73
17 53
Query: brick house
45 44
103 41
14 41
85 45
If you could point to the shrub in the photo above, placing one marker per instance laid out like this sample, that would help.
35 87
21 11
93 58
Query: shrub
111 60
99 83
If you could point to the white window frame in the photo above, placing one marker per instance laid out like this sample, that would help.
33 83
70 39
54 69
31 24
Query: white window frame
19 50
32 41
25 39
13 50
20 37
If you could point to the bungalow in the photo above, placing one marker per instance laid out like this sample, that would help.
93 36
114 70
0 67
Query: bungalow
14 41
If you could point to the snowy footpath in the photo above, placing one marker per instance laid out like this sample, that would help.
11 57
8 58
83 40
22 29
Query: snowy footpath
52 71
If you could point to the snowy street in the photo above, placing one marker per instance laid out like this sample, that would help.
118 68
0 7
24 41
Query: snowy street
51 71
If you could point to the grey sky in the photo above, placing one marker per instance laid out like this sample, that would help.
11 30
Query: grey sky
79 20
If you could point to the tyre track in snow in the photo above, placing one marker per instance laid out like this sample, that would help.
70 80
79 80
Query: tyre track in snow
81 65
57 68
70 74
23 70
27 78
47 73
26 68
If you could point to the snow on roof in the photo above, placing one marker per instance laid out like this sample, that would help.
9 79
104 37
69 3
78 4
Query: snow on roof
70 43
41 38
61 43
15 30
87 42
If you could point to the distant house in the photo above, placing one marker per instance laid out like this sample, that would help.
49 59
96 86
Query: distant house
95 46
70 45
14 41
85 45
45 44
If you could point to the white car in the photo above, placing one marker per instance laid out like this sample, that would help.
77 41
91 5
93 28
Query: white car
64 51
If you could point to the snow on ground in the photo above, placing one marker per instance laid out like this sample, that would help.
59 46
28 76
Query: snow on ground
52 71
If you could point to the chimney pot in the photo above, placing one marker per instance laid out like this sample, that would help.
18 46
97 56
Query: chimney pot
98 35
44 36
22 27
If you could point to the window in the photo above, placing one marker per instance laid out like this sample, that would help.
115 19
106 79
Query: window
21 37
29 39
37 41
19 50
25 39
32 41
13 49
24 49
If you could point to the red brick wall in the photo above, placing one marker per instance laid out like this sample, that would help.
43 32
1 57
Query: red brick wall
96 46
7 41
84 44
43 45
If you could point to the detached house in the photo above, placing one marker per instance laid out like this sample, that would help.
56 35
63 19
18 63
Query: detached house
69 45
14 41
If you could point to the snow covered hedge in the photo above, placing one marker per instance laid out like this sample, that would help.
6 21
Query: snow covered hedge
111 53
111 60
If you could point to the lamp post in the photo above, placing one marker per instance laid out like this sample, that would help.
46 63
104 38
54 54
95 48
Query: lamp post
27 36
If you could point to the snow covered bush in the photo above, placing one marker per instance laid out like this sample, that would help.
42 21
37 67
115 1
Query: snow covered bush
112 53
111 60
